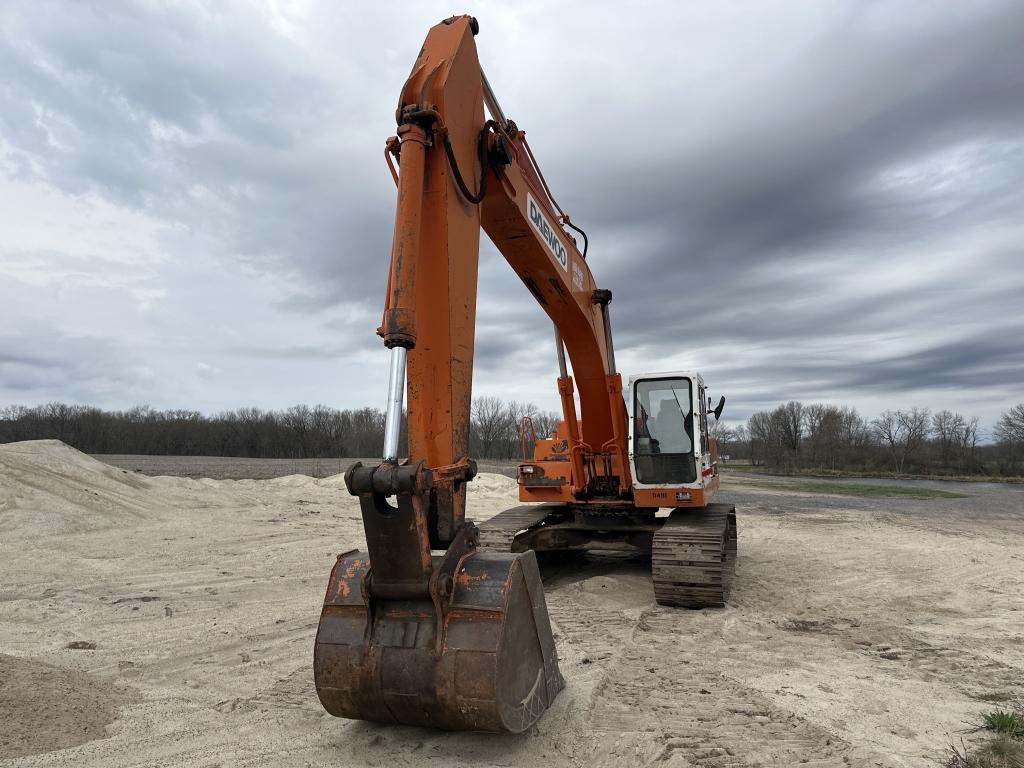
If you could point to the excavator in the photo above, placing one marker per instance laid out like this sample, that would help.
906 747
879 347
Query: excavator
443 622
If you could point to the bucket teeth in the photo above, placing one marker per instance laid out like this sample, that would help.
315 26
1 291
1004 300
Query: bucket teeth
482 660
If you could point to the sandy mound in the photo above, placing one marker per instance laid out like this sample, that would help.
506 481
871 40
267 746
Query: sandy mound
47 487
293 481
486 484
334 481
45 708
490 494
487 493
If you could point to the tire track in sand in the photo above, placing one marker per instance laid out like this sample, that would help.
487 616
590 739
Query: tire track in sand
666 684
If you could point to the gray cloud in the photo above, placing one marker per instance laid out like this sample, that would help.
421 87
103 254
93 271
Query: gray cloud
818 205
78 366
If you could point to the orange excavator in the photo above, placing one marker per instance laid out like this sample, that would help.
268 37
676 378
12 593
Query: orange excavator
442 622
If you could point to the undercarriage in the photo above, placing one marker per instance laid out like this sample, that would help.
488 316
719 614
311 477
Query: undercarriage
692 551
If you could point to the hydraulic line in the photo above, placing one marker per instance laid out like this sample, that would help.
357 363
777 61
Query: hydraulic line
478 197
563 216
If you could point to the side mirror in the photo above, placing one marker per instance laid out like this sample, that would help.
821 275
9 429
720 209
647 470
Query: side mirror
719 408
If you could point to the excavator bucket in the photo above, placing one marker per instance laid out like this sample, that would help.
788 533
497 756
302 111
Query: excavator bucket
476 655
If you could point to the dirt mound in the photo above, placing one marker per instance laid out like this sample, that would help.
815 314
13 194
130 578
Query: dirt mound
490 494
48 487
489 484
45 708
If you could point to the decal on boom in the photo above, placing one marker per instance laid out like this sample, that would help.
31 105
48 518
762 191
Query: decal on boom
547 232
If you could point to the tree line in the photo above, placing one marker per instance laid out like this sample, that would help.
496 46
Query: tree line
796 436
297 432
793 436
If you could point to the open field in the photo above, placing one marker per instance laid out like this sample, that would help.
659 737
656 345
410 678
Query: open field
152 621
901 489
745 467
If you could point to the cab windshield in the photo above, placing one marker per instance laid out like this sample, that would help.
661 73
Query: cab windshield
663 431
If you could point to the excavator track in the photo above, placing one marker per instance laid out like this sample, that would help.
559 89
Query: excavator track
497 534
693 553
693 557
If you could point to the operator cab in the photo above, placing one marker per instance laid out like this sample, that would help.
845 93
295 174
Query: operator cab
669 443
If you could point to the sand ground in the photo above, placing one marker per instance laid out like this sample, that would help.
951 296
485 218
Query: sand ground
861 632
237 468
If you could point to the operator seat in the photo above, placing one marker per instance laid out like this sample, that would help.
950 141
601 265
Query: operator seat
672 433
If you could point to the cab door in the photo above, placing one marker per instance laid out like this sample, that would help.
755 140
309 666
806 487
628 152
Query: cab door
664 452
704 460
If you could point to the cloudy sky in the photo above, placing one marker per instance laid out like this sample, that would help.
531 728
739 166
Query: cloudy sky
820 201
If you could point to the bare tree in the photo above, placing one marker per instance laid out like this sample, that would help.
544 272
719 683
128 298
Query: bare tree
545 423
968 444
742 443
947 427
1009 431
763 439
366 427
507 445
855 437
299 421
824 429
722 432
787 425
1010 427
903 433
488 423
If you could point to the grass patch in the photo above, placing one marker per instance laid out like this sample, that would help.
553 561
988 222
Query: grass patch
860 489
1005 723
1000 752
1005 749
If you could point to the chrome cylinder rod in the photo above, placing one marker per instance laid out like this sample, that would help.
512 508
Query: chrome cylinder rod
563 371
493 107
609 344
396 397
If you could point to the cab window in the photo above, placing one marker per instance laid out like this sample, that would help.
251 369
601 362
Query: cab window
663 431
